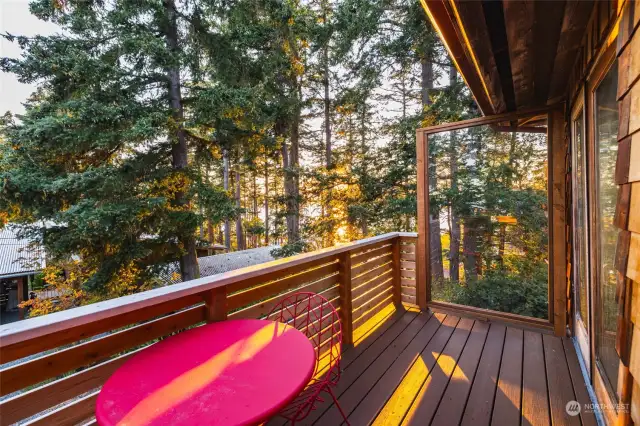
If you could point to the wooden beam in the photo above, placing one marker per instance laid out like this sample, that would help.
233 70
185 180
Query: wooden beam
446 25
493 119
468 15
495 21
397 290
524 129
423 290
346 304
558 278
216 304
576 17
549 19
519 16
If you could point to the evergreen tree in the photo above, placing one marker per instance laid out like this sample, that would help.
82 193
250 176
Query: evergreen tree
99 163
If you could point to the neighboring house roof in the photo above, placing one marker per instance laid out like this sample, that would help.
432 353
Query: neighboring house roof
19 256
219 263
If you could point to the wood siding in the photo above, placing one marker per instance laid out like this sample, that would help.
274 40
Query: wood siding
628 206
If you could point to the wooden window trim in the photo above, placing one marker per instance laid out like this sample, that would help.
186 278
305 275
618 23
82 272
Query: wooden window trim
422 246
605 61
579 109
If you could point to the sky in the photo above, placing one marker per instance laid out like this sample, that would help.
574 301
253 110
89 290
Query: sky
16 19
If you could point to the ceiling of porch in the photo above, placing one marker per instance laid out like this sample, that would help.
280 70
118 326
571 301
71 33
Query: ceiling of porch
514 55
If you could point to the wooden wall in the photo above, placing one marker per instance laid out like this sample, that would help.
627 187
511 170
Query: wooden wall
627 217
611 20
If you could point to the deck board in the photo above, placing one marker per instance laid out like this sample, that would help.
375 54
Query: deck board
582 395
451 406
426 402
407 390
535 401
423 369
480 403
350 399
560 387
507 403
376 398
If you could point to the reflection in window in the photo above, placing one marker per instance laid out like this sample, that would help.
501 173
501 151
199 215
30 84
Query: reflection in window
488 219
580 222
606 132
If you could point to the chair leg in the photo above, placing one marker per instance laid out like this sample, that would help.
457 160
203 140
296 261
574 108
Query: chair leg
335 400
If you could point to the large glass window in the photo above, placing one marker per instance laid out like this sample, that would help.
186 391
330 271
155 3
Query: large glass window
580 240
488 226
606 145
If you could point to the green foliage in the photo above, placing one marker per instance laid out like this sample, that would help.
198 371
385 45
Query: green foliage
500 291
291 249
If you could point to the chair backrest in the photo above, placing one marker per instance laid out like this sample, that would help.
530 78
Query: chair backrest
316 317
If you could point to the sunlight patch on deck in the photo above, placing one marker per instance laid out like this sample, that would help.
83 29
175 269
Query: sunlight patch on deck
395 408
372 324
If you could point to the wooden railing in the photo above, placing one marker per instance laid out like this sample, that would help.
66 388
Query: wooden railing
53 366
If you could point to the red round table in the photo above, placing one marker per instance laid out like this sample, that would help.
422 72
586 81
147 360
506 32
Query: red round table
237 372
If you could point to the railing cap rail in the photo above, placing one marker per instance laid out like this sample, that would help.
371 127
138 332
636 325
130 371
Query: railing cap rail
31 328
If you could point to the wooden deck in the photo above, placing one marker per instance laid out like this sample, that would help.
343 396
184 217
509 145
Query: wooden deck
415 368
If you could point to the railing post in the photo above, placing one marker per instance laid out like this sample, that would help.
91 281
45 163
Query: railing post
346 308
423 288
397 290
215 301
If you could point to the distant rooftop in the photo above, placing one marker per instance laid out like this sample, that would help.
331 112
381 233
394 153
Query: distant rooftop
19 256
219 263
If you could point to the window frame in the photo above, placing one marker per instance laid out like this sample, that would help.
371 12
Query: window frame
555 139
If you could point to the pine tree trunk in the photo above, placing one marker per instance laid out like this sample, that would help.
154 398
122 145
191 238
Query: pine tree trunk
470 248
239 234
435 243
227 225
455 231
364 150
290 164
502 235
188 259
327 137
266 201
470 236
454 235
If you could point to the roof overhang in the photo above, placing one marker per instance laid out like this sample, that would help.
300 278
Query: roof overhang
513 55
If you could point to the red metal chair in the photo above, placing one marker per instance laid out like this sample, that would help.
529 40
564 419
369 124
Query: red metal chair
314 316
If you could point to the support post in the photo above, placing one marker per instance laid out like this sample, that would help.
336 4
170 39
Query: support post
557 144
216 303
346 308
423 290
397 290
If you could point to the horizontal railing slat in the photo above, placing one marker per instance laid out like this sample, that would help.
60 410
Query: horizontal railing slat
366 291
410 291
406 273
263 291
364 315
375 299
363 257
74 413
11 352
52 365
363 278
263 308
37 400
363 267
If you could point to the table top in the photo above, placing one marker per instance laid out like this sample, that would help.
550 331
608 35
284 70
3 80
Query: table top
226 373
